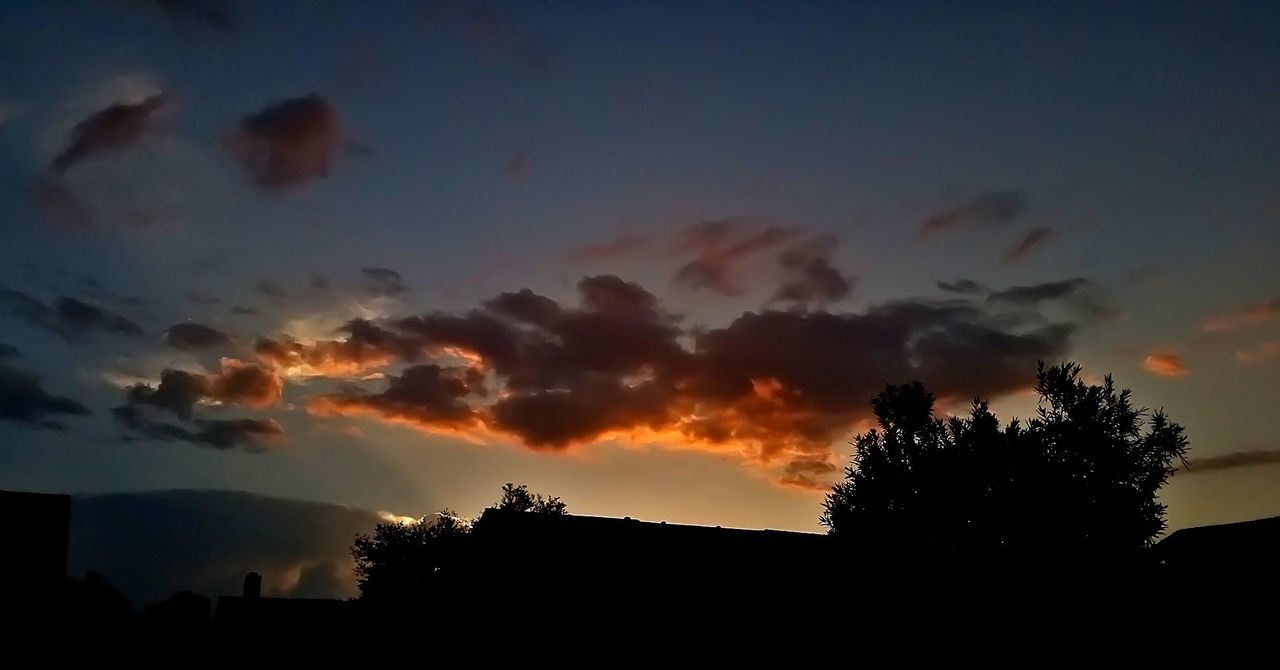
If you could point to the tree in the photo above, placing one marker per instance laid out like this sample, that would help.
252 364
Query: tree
1077 481
519 499
403 563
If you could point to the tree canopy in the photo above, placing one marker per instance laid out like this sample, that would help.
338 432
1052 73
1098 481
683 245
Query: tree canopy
403 562
1077 481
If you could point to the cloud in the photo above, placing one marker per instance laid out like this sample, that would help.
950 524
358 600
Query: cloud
191 336
810 473
424 396
179 392
59 204
9 351
617 365
270 289
1036 237
383 282
1165 365
721 247
1236 459
24 400
624 245
241 310
962 286
198 297
1251 315
1262 352
986 209
809 278
1079 294
220 15
288 143
220 434
112 129
69 317
94 289
8 112
517 166
152 544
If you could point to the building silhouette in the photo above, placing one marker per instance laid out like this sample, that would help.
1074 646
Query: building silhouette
39 525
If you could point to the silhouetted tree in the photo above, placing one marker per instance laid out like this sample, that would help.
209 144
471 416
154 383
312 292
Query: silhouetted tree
1078 481
519 499
404 562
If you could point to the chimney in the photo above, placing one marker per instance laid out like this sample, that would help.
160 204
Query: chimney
252 586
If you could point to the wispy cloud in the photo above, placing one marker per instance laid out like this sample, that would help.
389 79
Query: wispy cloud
1262 352
1251 315
1237 459
985 209
1035 238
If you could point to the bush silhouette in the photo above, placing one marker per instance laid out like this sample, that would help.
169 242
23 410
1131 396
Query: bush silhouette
405 563
1077 482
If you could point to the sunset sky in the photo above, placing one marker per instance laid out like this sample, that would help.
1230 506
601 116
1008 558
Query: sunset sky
654 258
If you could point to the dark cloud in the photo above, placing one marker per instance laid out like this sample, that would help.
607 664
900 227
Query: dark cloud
986 209
1235 459
23 399
70 318
219 15
241 310
152 544
809 472
962 286
270 289
288 143
383 282
179 392
721 247
424 395
198 297
9 351
517 166
222 434
1030 296
624 245
771 385
111 129
80 317
318 282
94 289
1030 241
191 336
60 206
235 383
1080 295
809 277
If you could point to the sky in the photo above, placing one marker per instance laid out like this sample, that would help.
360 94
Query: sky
652 257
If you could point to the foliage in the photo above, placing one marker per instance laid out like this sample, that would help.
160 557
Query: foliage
519 499
1079 480
404 562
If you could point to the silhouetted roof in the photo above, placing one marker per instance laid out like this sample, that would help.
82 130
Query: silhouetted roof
499 521
1244 543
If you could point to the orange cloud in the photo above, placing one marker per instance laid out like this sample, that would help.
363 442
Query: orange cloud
776 388
1251 315
1165 365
